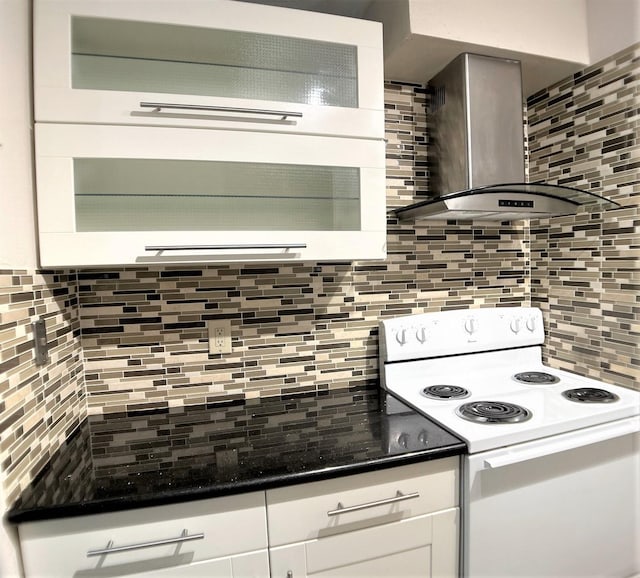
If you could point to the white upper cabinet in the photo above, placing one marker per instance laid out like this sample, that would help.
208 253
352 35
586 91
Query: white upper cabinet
207 64
174 131
110 195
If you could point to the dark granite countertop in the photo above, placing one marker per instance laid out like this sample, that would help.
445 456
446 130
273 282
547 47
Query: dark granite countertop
122 461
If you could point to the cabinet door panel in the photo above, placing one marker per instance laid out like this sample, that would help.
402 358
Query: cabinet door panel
163 568
413 563
359 549
209 569
135 56
106 194
300 512
223 526
101 249
251 565
423 546
97 61
181 195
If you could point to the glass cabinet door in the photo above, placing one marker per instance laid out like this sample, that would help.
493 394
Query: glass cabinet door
112 54
112 194
213 64
185 195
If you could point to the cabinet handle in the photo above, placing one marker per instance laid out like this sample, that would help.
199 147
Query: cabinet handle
399 497
223 247
110 549
158 106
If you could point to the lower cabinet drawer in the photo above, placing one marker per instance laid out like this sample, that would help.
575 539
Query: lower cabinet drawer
157 539
319 509
424 546
252 565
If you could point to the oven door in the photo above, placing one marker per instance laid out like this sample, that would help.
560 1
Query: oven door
563 506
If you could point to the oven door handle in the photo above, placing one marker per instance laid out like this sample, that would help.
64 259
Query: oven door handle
562 442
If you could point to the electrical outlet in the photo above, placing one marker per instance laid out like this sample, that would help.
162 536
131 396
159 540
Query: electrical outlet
40 341
219 336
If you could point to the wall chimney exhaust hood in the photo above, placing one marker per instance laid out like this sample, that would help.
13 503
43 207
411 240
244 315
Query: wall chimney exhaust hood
477 149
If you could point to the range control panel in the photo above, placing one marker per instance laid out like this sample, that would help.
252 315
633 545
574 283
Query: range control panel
457 331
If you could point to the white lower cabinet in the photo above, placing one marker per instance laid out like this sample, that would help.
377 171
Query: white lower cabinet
252 565
222 537
423 546
401 522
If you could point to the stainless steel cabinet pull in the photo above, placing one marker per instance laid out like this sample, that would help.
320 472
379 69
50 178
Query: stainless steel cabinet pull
158 106
399 497
110 549
223 247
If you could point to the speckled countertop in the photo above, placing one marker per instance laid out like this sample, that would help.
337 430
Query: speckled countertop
122 461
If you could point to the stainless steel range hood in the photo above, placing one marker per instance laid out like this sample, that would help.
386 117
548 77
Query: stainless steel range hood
477 149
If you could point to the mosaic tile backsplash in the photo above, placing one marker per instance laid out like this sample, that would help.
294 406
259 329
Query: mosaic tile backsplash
136 338
294 327
39 405
584 132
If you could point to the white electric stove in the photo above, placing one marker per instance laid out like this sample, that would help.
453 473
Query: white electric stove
543 443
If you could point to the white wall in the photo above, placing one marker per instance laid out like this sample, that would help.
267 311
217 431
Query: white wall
17 221
553 39
17 229
548 37
613 25
547 28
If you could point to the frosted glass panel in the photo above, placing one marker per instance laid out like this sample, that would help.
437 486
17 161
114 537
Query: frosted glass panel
152 195
149 57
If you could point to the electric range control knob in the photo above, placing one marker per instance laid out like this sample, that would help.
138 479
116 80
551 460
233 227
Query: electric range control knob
471 325
403 440
401 336
423 438
531 324
515 325
421 334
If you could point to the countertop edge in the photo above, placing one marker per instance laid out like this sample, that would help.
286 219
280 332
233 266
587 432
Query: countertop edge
20 516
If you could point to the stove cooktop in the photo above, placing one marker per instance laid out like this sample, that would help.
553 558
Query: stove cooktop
509 396
488 379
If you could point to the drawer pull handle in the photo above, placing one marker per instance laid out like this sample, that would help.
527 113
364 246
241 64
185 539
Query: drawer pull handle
223 247
399 497
110 549
158 106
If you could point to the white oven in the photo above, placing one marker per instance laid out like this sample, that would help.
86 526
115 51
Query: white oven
551 481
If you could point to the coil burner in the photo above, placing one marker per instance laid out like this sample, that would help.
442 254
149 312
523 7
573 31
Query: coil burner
536 378
493 412
590 395
445 392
